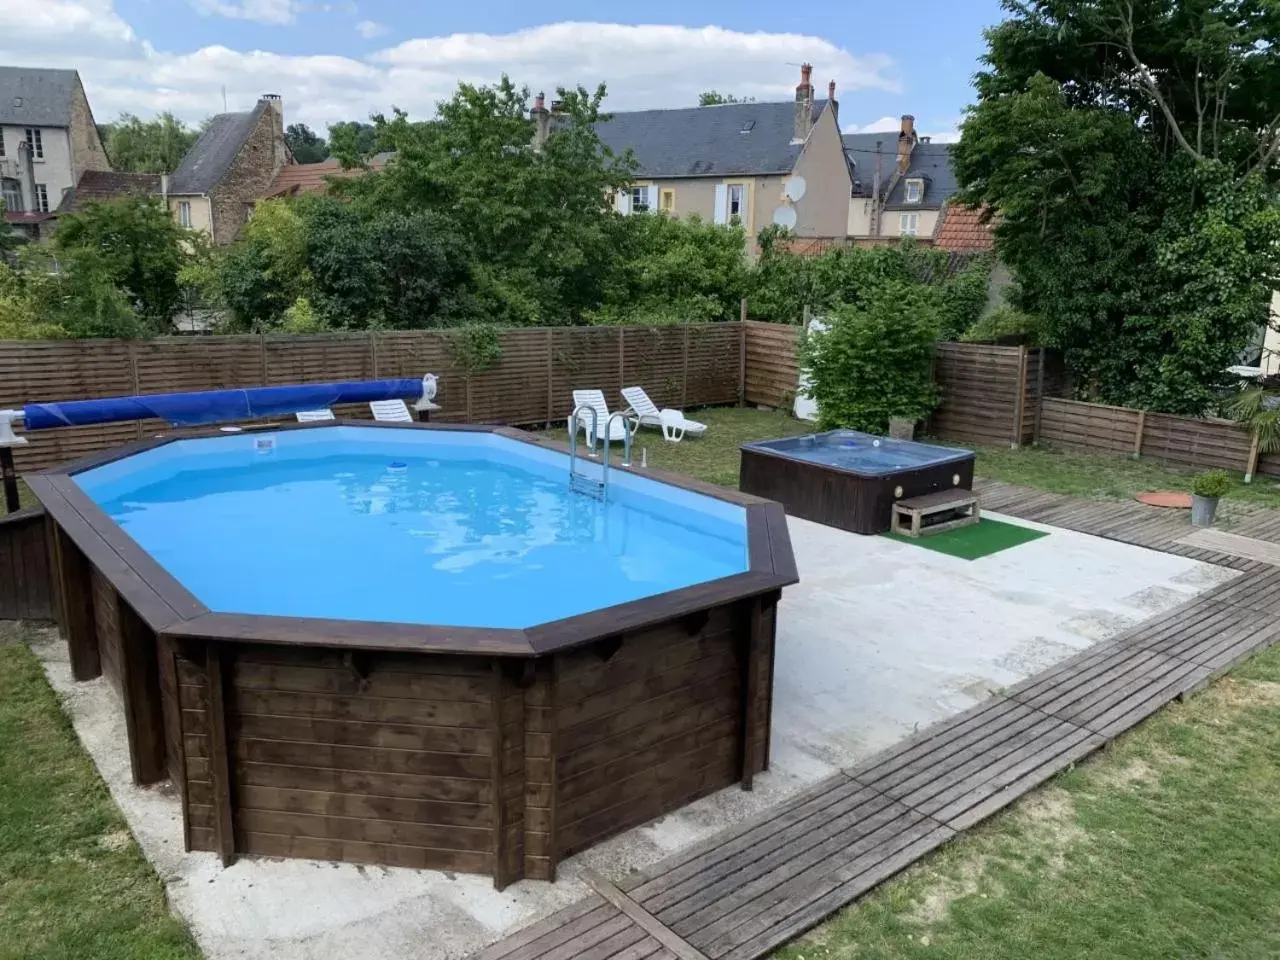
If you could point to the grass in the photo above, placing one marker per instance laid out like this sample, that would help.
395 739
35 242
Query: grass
1101 477
73 883
1165 845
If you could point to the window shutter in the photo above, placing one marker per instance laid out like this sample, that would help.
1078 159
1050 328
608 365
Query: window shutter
623 202
722 204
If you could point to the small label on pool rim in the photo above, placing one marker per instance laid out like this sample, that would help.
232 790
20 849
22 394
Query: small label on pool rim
264 444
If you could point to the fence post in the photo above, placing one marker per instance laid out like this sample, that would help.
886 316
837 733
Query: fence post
1035 428
373 352
742 352
684 371
551 373
1137 434
1252 465
134 379
262 357
1019 400
622 356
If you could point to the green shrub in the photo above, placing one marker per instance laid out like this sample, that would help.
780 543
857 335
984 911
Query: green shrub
1005 324
874 360
1211 483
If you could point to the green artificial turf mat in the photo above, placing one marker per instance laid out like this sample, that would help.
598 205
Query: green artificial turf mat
977 540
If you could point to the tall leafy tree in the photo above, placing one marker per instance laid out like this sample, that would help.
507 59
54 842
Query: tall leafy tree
147 146
1130 148
135 246
711 98
305 144
352 141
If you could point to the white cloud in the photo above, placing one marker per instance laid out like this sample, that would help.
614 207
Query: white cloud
947 131
260 11
370 28
644 66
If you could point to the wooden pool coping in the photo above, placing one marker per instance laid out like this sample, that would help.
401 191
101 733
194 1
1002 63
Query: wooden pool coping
168 607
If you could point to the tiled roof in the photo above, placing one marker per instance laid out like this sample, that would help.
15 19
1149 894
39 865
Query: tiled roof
962 230
314 177
97 186
724 140
208 160
36 98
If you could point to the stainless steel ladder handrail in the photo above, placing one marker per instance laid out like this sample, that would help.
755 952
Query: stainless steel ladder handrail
626 444
574 476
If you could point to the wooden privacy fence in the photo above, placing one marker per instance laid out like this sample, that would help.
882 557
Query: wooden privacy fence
679 366
1180 441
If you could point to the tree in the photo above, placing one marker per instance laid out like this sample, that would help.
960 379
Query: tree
147 146
536 222
305 144
352 142
711 98
135 246
1130 148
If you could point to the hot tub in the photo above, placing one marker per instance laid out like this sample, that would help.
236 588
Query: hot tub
414 645
847 479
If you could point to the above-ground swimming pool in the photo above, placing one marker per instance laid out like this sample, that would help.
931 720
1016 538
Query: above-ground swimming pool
413 645
847 479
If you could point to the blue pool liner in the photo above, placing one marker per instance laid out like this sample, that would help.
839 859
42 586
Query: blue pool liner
213 406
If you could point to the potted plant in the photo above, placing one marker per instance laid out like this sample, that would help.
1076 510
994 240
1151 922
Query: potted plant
1206 491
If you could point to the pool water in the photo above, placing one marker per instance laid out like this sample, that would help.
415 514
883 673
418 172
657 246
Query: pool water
465 529
861 453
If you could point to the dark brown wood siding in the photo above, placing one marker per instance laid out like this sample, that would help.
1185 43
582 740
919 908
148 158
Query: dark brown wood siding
107 623
26 588
197 791
384 758
649 729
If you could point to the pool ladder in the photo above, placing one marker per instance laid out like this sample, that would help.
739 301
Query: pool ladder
580 482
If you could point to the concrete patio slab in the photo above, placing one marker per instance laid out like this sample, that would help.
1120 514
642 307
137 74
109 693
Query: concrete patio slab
879 639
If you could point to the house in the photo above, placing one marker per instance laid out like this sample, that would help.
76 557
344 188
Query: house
48 140
228 169
901 183
299 178
754 163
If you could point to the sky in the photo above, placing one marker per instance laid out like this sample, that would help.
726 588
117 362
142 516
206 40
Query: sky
345 59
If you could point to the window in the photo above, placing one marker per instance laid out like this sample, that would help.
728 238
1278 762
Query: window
737 201
639 199
667 201
914 191
184 213
908 224
35 143
42 198
11 193
1 141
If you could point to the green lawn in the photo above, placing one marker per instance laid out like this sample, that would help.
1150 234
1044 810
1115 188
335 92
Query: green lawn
1165 845
73 883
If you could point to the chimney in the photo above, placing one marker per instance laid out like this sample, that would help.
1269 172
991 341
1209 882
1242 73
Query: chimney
831 98
541 118
275 103
804 104
906 142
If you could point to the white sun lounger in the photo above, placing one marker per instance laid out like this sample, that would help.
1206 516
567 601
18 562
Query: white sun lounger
314 416
390 411
595 399
645 413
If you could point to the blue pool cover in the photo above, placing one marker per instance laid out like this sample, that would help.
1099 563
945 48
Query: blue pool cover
213 406
860 453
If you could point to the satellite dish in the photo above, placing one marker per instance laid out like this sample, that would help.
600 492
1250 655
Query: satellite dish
785 217
793 189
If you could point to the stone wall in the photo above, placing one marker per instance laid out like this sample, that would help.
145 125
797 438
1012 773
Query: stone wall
87 152
248 177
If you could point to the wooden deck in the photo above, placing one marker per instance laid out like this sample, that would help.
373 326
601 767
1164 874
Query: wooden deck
753 887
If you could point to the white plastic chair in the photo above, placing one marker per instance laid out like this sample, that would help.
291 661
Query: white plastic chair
595 399
645 413
314 416
390 411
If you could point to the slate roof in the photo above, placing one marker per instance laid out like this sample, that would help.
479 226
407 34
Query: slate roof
208 160
726 140
45 96
930 162
98 186
962 230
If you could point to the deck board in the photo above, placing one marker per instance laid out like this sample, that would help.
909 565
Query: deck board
744 892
